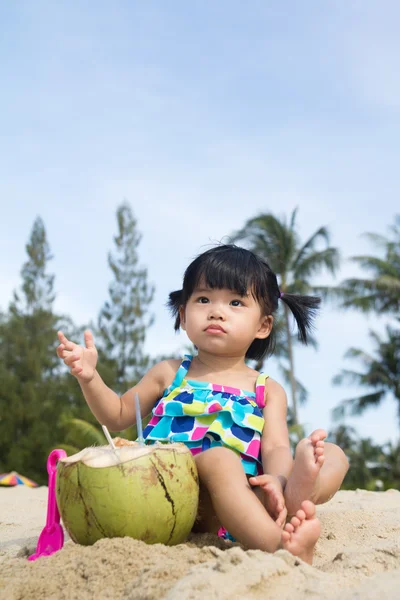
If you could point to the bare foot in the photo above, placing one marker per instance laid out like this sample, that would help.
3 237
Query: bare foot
301 534
303 481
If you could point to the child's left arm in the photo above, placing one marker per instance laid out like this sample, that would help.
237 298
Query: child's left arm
275 449
276 454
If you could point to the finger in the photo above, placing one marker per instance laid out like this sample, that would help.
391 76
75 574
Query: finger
257 480
76 370
272 491
68 345
71 360
280 520
89 339
62 352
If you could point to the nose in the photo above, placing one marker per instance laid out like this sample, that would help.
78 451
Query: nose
216 313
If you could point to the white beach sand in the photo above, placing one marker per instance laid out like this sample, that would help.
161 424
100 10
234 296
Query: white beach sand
357 556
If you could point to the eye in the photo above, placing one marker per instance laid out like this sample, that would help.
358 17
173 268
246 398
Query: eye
202 300
236 303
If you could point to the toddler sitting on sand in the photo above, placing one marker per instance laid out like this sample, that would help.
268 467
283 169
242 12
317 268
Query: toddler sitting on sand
231 417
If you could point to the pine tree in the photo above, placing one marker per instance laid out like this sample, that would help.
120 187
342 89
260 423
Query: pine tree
30 402
124 318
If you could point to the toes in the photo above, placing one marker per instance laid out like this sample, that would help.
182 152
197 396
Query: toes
318 435
320 444
318 451
301 515
289 528
309 509
295 522
285 536
320 460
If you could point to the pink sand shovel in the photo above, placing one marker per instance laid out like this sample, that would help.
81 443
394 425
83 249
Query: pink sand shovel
52 537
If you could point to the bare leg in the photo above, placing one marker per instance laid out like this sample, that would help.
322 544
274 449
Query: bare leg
237 508
301 534
318 471
206 521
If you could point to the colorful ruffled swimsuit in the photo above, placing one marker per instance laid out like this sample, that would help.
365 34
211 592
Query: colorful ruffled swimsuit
206 415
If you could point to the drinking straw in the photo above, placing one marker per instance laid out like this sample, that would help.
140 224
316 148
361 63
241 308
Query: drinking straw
109 439
139 420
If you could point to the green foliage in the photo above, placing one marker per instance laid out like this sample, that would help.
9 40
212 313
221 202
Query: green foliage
41 405
381 291
295 264
37 284
124 318
372 467
380 374
30 394
81 434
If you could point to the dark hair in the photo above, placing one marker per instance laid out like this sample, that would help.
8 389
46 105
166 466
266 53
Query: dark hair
240 270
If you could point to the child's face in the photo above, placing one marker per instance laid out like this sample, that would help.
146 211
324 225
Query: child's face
223 322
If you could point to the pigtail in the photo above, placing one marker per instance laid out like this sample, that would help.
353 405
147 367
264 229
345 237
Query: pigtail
304 310
174 303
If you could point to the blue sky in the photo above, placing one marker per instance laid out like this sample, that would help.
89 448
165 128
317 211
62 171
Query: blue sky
200 115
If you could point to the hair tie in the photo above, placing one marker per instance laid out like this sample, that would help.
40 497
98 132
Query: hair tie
281 294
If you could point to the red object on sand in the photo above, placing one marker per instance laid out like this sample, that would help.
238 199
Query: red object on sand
52 537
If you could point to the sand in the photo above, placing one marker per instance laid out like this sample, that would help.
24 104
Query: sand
357 556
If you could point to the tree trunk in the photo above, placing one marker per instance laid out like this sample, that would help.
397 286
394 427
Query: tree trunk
291 366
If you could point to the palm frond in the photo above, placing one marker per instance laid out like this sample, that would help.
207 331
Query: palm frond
302 393
309 246
69 449
293 217
378 266
328 259
271 238
376 239
80 433
357 405
366 358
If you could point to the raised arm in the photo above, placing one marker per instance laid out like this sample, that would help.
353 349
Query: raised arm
117 413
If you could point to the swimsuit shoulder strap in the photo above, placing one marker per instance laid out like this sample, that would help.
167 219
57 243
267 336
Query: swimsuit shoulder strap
260 389
182 371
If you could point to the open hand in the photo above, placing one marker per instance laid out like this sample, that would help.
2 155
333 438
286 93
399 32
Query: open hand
81 360
274 500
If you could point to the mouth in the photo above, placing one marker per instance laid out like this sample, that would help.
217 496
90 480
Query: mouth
215 329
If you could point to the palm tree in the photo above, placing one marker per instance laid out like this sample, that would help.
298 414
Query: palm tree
80 434
294 262
381 374
343 436
366 459
392 465
381 292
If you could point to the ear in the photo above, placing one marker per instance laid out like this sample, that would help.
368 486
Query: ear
182 317
265 327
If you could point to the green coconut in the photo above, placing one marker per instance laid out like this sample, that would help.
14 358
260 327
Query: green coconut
149 493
